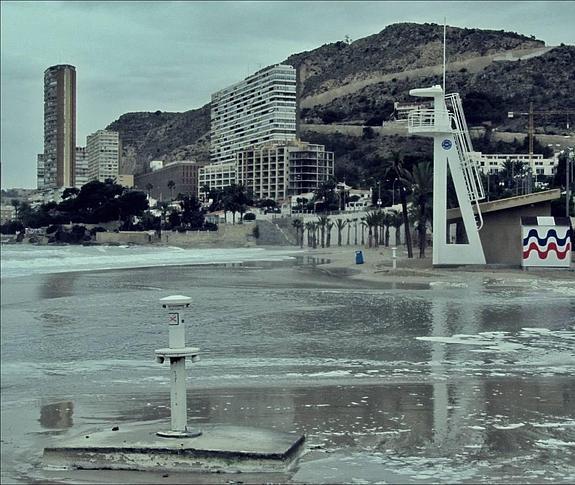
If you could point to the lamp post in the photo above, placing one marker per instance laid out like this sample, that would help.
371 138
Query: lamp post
379 195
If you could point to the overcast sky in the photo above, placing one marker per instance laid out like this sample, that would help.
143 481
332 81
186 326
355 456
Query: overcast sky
170 56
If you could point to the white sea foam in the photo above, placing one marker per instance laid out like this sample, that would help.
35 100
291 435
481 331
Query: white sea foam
19 260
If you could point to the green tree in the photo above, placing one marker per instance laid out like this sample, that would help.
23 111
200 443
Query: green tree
298 224
322 221
339 225
422 190
328 228
395 167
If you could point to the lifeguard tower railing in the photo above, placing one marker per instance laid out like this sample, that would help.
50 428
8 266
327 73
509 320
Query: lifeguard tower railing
424 121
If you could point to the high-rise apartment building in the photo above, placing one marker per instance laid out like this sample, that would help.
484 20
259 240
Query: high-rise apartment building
260 109
278 170
103 153
40 171
59 126
82 169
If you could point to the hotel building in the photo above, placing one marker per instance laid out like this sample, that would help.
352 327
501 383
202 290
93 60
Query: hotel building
279 170
103 150
184 174
217 175
260 109
59 126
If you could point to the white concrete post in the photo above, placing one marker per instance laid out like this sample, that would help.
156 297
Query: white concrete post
177 353
394 257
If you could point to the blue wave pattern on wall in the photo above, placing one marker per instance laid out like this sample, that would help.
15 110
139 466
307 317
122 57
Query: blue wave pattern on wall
543 241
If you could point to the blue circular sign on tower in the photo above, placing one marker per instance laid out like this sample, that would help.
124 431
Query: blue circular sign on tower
446 144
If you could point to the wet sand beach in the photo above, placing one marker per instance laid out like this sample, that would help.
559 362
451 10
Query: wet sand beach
416 376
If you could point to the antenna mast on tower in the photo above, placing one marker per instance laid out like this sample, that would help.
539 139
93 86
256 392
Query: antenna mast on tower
444 57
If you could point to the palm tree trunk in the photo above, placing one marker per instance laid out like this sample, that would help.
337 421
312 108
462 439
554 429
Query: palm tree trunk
422 231
405 221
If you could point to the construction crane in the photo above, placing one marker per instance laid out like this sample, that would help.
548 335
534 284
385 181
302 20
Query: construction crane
531 129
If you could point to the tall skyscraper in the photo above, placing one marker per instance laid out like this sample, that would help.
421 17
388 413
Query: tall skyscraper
260 109
59 126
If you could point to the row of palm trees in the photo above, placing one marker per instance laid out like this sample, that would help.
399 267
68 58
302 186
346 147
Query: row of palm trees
415 184
376 224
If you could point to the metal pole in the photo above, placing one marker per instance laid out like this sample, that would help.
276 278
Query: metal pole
444 51
567 182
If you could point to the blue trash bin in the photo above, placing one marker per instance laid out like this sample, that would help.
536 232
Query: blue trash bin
359 257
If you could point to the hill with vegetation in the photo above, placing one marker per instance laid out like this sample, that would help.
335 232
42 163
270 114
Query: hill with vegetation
357 82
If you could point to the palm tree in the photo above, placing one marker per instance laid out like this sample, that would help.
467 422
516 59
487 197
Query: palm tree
395 167
396 222
349 221
171 185
371 222
322 221
339 224
298 224
355 231
386 222
363 226
314 228
309 227
149 187
328 228
422 186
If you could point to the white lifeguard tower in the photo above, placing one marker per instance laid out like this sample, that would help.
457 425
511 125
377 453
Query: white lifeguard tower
452 148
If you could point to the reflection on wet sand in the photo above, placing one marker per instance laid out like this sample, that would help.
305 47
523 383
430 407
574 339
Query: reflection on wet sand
57 415
58 285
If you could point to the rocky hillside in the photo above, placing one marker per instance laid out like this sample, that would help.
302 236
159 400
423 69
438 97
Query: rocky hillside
397 48
163 136
358 82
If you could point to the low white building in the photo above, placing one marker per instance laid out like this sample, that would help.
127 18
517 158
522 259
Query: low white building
494 162
217 175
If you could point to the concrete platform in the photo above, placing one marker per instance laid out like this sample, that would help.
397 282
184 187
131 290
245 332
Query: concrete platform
220 449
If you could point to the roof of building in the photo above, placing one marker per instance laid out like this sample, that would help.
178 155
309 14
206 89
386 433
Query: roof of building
510 202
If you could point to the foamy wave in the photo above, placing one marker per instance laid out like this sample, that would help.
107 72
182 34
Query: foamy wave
28 260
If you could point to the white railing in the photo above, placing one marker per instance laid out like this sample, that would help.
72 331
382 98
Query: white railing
421 118
464 147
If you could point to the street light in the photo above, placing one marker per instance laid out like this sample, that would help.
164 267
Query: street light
379 195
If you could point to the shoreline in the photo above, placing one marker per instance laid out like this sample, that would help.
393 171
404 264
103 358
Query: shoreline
377 267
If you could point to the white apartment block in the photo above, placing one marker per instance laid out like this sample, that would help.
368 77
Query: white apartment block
259 109
82 169
103 152
278 170
493 163
217 175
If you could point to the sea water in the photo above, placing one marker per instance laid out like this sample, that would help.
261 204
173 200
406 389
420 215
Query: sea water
437 382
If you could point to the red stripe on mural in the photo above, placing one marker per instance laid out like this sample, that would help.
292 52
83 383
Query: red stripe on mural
543 254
